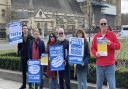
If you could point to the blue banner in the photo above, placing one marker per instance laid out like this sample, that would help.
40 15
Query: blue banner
76 50
57 57
34 71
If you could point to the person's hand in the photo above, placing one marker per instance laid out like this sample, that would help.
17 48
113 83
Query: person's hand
74 65
82 64
97 54
108 42
64 62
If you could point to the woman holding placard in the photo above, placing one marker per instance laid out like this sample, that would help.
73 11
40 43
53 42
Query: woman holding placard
36 48
82 69
51 74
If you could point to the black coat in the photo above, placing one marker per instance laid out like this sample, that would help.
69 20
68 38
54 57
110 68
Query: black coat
23 48
86 56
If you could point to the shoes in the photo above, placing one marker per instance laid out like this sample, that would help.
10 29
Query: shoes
22 87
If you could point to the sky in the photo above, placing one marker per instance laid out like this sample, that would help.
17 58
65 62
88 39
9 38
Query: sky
124 6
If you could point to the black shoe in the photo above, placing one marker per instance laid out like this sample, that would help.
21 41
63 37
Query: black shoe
22 87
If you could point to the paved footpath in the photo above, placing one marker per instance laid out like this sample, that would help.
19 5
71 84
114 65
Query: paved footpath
8 84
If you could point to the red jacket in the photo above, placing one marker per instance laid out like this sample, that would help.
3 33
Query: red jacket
115 45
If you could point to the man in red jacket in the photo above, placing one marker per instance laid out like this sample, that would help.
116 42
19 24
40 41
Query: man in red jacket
105 64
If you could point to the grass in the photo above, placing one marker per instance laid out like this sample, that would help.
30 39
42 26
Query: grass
122 54
7 51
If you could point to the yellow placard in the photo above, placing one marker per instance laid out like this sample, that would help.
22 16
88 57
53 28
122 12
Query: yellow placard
102 47
44 59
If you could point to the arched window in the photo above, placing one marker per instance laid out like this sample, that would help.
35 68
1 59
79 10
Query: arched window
3 12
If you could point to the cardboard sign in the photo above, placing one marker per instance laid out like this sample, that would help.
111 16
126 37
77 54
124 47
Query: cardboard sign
102 46
44 59
76 50
34 71
57 57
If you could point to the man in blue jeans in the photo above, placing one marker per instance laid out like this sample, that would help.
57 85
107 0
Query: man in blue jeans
105 64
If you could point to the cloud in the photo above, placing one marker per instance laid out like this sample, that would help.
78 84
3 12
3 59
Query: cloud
124 6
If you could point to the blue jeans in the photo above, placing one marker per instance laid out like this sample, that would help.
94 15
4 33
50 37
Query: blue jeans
82 77
107 72
53 84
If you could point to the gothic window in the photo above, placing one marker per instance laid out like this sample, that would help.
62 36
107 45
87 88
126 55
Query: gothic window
3 12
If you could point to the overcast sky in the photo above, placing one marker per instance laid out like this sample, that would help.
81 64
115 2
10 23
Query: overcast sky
124 6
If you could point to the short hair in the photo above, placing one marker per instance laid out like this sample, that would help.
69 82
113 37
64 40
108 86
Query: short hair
24 25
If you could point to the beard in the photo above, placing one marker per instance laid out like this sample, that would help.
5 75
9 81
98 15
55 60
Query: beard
61 38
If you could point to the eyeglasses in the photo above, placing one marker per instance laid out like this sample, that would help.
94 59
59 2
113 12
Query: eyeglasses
103 23
61 33
52 37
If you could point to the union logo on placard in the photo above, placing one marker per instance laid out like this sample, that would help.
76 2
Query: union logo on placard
34 69
58 61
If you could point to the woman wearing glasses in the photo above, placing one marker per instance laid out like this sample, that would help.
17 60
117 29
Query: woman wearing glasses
51 74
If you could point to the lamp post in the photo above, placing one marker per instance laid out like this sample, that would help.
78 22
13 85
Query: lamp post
89 17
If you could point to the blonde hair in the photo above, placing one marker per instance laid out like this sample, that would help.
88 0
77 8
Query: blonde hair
35 30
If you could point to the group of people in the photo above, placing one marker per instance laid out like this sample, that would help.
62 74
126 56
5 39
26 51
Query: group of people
32 47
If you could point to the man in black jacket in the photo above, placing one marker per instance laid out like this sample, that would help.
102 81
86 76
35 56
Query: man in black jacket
23 52
64 74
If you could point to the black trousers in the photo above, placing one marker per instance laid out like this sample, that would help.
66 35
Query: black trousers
64 75
24 71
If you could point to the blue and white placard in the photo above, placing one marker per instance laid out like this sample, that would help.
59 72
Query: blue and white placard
57 57
34 71
15 32
76 50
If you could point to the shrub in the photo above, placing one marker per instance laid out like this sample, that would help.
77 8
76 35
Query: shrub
10 62
122 77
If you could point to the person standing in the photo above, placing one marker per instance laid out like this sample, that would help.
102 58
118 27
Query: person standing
64 75
36 48
105 65
53 84
22 50
82 69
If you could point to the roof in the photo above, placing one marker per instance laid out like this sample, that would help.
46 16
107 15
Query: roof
66 6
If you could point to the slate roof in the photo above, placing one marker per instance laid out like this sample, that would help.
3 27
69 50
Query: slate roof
67 6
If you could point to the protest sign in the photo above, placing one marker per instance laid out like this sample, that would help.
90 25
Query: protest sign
56 57
76 50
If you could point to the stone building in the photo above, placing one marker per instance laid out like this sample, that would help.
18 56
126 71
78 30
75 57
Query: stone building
96 9
4 16
47 15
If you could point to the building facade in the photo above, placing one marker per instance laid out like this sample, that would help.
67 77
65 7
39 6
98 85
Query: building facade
4 16
96 9
47 15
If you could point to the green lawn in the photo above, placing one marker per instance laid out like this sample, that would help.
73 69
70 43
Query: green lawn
122 54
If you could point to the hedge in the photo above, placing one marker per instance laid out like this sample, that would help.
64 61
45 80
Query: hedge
13 63
10 62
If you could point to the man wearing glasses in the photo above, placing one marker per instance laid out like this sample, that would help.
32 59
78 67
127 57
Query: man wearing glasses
64 75
23 52
105 64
